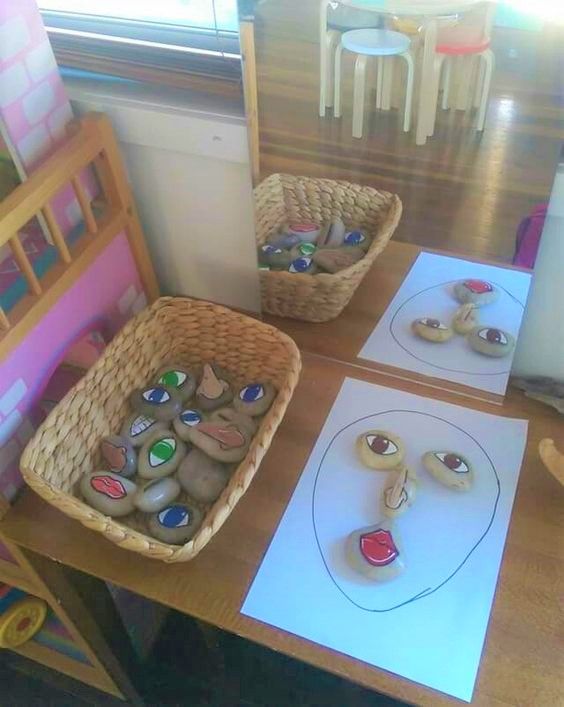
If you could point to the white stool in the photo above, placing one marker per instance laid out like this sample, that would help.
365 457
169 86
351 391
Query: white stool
366 43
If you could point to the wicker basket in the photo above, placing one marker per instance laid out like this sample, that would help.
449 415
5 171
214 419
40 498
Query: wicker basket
176 330
281 197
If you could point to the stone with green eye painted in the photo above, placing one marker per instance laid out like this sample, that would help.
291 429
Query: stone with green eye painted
179 378
160 455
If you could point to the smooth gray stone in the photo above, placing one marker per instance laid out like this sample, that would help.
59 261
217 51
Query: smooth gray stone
478 292
336 234
254 399
119 455
157 494
160 455
159 401
225 436
176 524
491 341
138 428
111 494
187 419
201 477
214 389
178 377
284 240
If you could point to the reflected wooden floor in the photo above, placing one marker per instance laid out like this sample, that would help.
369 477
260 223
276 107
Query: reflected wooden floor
462 191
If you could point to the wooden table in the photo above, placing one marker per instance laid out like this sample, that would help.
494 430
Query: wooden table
523 660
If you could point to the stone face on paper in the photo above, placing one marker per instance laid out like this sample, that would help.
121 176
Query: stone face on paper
465 319
491 342
400 492
478 292
450 469
431 329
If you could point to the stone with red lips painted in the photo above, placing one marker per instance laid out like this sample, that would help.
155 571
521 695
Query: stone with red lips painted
111 494
376 551
225 436
478 292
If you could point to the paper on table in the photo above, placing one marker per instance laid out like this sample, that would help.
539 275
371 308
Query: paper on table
429 624
427 292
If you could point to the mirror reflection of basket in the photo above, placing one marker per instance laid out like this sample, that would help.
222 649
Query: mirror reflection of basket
172 329
281 198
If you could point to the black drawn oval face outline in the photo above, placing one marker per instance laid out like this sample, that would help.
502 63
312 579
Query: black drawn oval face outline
442 285
430 590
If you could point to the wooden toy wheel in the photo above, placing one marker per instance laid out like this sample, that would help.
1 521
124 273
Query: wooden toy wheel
21 622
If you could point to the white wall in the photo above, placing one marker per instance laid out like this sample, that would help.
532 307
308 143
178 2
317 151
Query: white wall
187 158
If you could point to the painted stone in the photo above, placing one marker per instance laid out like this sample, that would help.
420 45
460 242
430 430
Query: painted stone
138 428
450 469
431 330
119 455
254 399
179 378
176 524
400 493
201 477
214 390
337 259
335 234
159 401
380 450
286 241
111 494
491 342
465 319
157 494
187 419
275 258
225 436
160 455
478 292
376 552
306 231
303 265
302 250
357 239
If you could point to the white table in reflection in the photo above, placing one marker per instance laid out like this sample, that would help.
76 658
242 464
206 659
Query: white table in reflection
430 11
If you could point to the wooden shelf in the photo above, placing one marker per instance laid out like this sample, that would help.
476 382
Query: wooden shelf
73 668
15 576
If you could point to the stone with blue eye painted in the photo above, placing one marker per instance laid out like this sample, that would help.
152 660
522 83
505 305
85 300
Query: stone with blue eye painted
357 239
189 417
176 524
303 265
179 378
162 402
254 399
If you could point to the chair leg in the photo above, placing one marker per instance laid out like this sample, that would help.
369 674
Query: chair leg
477 99
447 78
434 86
380 82
337 96
358 100
333 39
408 90
465 83
488 58
388 82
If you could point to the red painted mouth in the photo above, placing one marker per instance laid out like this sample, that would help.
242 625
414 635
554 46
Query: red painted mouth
479 287
112 488
228 437
378 547
303 227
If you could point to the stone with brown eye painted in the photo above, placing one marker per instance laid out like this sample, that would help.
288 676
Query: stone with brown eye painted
380 450
431 329
491 341
450 469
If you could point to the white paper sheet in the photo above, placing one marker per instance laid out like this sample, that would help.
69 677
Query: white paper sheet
428 624
427 292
